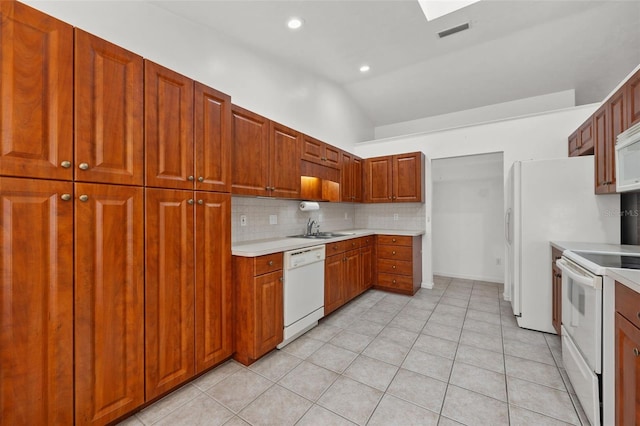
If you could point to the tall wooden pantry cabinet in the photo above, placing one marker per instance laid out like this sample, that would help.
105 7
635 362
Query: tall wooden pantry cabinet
85 336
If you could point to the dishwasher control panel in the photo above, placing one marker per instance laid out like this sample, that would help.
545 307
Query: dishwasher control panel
297 258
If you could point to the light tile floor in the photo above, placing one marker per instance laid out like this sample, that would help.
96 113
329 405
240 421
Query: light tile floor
447 356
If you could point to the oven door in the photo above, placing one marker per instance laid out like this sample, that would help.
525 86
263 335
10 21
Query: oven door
582 311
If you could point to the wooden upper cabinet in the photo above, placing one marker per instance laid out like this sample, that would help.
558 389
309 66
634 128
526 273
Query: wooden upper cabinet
351 177
109 301
36 302
250 153
633 99
394 178
212 139
319 152
408 177
284 166
169 289
108 112
36 112
602 152
214 302
378 179
168 128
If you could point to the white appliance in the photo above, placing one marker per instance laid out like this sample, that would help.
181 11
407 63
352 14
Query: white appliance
628 160
587 358
303 291
550 200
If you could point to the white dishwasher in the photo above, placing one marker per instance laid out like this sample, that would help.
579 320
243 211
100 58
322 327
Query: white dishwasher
303 291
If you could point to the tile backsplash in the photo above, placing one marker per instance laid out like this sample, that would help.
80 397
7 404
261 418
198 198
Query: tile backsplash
331 217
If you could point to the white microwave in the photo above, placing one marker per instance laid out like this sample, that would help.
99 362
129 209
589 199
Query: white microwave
628 160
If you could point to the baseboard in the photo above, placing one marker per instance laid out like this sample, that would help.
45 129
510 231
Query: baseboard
470 277
427 285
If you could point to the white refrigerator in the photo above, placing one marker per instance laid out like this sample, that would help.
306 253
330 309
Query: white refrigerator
550 200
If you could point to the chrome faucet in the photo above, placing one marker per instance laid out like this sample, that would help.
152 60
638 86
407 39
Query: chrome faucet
310 225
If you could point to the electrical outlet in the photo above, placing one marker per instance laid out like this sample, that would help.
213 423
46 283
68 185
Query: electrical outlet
243 220
395 216
346 216
273 219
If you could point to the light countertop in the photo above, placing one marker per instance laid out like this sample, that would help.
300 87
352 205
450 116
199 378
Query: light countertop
274 245
628 277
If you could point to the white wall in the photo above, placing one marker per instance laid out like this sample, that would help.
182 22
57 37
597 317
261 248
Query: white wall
533 137
475 116
291 96
467 229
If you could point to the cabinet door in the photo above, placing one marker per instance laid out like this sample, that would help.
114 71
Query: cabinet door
346 177
352 274
36 302
312 150
250 153
212 139
556 295
600 132
331 156
366 280
333 283
378 177
214 304
108 112
269 312
618 121
627 363
168 119
284 168
356 179
407 178
633 99
169 289
36 61
109 301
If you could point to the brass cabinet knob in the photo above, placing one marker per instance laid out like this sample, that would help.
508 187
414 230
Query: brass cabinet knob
83 166
84 198
65 197
636 352
190 178
190 201
201 202
393 240
394 281
271 263
393 252
65 164
200 179
393 267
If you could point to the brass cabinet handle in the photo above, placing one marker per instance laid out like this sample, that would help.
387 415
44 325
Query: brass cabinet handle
190 201
190 178
83 166
393 240
394 197
65 197
393 267
65 164
200 179
83 198
201 202
393 252
271 263
281 279
394 281
636 352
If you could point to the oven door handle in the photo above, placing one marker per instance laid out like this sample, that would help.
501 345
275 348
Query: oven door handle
577 275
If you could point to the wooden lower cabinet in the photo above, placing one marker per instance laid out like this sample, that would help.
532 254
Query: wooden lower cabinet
334 296
627 356
259 310
109 301
36 302
556 290
184 264
399 263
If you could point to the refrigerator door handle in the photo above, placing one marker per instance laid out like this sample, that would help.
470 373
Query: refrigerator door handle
507 226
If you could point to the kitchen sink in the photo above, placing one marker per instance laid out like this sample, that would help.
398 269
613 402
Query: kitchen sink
324 235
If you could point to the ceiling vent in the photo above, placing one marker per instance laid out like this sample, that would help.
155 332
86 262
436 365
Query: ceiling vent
453 30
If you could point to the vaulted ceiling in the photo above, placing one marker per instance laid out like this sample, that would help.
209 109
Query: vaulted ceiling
513 49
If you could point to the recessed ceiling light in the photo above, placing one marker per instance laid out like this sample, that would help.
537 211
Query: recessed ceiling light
433 9
294 23
365 68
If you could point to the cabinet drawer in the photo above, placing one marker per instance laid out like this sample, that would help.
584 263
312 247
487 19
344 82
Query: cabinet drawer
352 244
267 263
366 241
395 252
337 247
395 240
389 266
628 303
400 282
